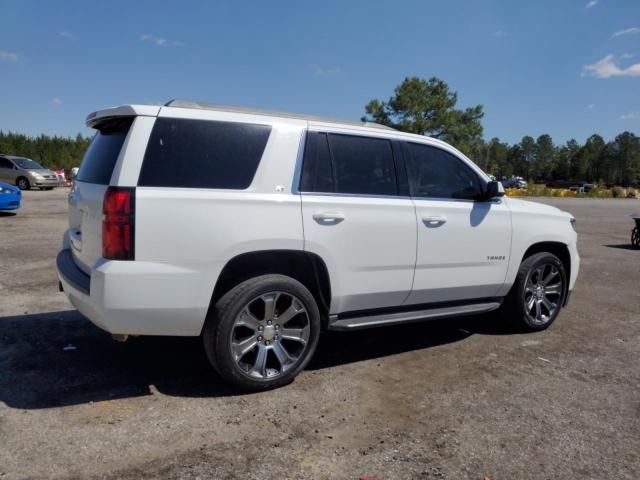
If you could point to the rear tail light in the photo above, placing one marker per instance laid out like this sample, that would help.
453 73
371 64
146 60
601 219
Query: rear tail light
118 224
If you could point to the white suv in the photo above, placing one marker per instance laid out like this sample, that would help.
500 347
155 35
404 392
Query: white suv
257 230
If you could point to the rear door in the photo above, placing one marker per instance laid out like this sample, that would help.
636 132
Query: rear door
85 198
6 171
463 244
358 218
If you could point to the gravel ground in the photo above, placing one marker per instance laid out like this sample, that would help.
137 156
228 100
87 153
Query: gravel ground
456 399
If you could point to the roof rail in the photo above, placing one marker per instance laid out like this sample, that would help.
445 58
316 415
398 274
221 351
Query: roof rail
256 111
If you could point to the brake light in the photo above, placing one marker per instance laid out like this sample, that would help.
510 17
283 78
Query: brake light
118 223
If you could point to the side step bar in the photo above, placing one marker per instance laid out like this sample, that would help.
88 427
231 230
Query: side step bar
384 319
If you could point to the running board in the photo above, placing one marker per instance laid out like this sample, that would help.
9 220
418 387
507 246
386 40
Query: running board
384 319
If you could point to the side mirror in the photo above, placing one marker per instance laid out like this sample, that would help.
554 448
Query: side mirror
494 190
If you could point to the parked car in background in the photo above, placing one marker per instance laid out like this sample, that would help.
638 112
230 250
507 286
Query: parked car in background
514 183
10 197
257 230
25 173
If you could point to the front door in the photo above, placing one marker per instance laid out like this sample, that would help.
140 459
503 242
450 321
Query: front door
463 244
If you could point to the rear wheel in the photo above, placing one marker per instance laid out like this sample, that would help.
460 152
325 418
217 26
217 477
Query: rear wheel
23 184
263 332
538 293
635 237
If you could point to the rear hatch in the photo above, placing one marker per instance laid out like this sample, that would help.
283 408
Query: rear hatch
85 198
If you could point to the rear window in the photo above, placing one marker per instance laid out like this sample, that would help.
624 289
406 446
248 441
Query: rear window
97 164
186 153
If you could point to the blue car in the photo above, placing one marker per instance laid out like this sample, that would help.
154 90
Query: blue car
10 197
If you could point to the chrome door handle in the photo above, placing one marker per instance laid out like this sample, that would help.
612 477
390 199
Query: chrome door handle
328 218
434 220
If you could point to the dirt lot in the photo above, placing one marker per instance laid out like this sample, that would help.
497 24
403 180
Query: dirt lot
454 399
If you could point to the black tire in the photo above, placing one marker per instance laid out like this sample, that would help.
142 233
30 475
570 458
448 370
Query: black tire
23 184
635 237
219 328
514 308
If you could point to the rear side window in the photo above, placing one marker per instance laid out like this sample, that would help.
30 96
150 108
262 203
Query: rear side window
363 165
202 154
317 175
97 164
437 173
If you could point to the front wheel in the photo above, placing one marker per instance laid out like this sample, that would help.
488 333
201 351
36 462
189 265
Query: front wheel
23 184
263 332
538 293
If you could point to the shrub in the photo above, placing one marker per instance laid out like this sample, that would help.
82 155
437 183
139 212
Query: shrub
617 192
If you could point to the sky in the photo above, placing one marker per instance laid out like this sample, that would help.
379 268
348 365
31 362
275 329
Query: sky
569 68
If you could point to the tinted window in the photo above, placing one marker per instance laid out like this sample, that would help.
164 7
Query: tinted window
316 166
5 163
362 165
97 164
202 154
437 173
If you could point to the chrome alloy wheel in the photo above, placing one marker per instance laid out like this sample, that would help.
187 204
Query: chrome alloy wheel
543 293
270 335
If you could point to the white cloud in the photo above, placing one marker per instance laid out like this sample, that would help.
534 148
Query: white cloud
67 35
498 33
591 105
607 68
630 116
626 31
591 4
9 56
160 41
627 55
327 72
56 102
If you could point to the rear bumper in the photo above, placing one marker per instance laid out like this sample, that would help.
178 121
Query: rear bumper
137 298
72 275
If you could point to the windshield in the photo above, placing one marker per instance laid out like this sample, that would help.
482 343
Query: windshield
28 164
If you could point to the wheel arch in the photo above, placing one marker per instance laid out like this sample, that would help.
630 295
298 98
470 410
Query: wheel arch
558 249
306 267
20 177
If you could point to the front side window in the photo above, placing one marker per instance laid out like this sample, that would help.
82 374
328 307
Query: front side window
433 172
362 165
187 153
28 164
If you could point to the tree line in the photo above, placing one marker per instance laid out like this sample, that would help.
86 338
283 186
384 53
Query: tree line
427 107
51 152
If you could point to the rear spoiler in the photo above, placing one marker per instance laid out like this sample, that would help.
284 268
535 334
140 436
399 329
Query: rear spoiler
95 118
